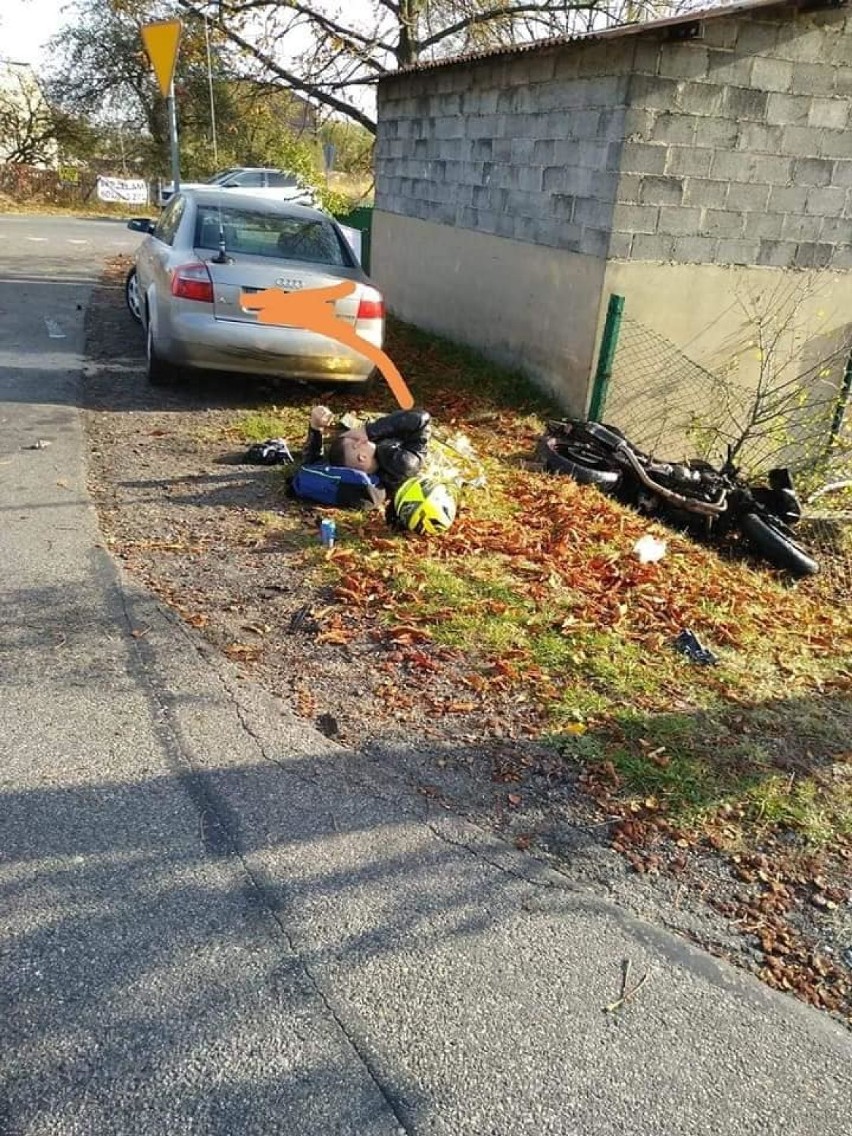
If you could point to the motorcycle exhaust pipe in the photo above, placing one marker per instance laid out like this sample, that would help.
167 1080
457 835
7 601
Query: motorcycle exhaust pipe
704 508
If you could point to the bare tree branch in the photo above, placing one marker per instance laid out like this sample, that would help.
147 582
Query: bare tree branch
350 38
27 124
288 76
494 14
402 33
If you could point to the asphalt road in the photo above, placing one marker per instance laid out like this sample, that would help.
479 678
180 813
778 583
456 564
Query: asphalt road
214 921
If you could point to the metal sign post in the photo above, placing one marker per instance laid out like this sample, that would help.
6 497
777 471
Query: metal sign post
173 137
162 40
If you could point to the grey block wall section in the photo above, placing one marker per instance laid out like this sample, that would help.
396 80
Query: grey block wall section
732 148
747 132
525 148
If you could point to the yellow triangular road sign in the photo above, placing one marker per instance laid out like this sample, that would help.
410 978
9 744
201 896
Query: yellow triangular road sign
161 42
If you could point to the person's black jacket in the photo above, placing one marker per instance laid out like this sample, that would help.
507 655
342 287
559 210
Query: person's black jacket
401 441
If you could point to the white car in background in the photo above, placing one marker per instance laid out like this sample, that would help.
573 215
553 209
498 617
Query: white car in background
264 181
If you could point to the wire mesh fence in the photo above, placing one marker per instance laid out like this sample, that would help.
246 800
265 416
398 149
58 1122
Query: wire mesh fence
786 412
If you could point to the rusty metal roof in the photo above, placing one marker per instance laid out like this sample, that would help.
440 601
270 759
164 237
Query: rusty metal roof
683 18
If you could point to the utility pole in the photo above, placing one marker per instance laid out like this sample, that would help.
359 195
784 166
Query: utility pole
210 86
173 137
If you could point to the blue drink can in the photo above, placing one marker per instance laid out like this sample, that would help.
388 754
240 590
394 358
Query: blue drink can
328 531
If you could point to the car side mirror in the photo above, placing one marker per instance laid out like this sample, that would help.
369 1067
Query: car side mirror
141 225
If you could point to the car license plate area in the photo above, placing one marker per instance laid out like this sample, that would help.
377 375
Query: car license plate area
250 291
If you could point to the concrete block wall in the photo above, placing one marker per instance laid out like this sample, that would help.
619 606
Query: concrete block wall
732 148
738 147
525 147
678 173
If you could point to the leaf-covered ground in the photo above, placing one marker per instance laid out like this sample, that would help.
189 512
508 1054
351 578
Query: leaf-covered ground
521 667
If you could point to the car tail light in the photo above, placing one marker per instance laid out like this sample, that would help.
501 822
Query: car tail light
371 308
192 282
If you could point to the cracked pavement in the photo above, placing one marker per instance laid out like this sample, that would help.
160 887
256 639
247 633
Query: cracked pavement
214 920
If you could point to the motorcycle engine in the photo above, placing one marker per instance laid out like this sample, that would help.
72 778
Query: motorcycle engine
685 474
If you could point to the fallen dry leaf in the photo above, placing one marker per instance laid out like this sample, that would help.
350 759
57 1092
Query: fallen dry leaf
336 637
243 652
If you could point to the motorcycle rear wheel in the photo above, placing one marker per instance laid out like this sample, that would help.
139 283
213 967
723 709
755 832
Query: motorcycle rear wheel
582 461
772 539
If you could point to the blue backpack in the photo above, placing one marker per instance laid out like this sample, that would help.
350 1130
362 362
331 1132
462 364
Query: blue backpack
336 485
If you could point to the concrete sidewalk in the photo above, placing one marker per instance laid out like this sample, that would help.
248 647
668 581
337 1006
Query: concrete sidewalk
212 920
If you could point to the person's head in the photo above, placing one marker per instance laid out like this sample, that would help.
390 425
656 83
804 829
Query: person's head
354 450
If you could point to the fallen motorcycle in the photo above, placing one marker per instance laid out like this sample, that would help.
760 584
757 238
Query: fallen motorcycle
707 501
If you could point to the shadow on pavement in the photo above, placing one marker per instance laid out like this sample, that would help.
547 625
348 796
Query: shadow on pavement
175 936
146 976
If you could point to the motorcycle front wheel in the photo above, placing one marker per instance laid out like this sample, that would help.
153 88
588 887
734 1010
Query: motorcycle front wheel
583 461
772 539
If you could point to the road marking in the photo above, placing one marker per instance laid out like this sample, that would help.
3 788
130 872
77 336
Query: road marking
73 241
70 282
40 240
53 329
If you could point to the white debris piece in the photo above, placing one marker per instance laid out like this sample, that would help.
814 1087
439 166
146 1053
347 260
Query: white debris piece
649 550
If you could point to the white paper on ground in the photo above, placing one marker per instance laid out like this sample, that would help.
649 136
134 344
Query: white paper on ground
649 550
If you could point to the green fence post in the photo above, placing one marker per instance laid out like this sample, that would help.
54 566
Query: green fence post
606 358
841 405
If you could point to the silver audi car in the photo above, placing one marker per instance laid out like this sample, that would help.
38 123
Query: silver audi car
207 250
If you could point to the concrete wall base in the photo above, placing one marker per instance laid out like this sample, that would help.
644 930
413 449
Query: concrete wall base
522 305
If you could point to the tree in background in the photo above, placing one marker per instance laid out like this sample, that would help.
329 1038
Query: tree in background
102 76
342 55
353 145
256 125
271 54
28 127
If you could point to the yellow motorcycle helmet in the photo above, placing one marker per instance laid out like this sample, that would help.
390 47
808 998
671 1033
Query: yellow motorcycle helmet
424 505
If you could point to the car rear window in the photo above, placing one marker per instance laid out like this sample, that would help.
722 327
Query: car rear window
277 179
265 234
223 176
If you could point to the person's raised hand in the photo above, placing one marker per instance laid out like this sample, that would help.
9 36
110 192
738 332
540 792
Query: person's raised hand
321 417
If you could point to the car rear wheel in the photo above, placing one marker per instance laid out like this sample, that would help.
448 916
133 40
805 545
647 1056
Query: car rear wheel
131 295
160 372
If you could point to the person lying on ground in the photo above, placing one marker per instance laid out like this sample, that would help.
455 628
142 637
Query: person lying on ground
392 448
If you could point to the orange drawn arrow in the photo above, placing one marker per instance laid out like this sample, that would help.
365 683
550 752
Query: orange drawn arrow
311 309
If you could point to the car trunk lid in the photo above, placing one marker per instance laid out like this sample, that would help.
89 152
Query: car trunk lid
245 276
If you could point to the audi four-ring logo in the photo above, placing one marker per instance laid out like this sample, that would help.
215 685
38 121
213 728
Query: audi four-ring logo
284 282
